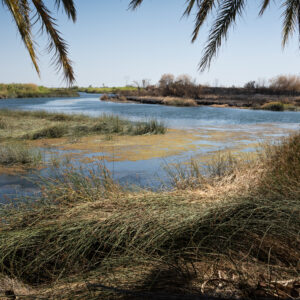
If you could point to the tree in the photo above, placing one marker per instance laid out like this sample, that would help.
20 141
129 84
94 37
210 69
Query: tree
26 14
226 13
166 80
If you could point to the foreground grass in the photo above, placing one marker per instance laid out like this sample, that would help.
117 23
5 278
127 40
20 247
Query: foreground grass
24 125
232 231
31 90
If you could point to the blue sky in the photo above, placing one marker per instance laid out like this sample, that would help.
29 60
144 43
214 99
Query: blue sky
113 46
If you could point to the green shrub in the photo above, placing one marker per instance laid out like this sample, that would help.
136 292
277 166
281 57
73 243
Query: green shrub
275 106
50 132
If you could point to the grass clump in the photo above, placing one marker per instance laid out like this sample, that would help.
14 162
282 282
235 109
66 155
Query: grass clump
275 106
52 132
149 127
3 123
239 229
179 101
19 154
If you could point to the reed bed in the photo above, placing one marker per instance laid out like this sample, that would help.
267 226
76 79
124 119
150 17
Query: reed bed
18 153
102 241
40 124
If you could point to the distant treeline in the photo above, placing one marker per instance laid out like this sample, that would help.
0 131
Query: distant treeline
30 90
186 87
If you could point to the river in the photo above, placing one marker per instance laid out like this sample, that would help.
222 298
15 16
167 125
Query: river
213 129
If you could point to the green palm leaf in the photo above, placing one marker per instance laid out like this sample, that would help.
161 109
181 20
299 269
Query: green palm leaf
22 16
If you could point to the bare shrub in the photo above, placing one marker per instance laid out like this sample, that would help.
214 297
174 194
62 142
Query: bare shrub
250 85
104 97
184 79
166 80
184 86
286 83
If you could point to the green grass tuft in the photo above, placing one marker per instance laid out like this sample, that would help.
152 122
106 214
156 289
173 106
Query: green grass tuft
19 154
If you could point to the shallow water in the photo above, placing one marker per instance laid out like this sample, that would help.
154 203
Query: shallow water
213 128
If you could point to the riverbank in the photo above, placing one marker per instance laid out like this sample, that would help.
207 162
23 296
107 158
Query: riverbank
275 103
229 231
33 91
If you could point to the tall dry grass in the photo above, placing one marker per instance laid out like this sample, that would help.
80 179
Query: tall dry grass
240 242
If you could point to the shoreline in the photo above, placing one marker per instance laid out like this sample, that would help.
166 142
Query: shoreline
275 103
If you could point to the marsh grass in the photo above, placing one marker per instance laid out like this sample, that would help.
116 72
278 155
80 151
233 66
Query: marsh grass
3 123
195 175
174 101
86 227
40 124
18 153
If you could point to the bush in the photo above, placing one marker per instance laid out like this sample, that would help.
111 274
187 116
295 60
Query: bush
104 97
275 106
57 131
183 86
286 83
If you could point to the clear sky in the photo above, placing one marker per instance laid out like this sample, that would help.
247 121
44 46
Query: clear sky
113 46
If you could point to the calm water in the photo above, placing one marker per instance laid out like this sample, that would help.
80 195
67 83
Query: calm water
253 124
187 117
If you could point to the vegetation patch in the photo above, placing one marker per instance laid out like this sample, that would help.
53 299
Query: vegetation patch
275 106
179 101
31 90
18 153
106 90
40 125
239 230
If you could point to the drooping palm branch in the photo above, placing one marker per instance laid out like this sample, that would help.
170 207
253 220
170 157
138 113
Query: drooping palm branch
27 13
227 12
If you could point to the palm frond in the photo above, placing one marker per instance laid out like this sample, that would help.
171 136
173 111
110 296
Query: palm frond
69 8
264 6
291 8
205 7
20 12
56 42
227 14
134 4
190 5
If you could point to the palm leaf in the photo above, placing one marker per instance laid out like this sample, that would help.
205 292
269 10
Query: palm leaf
20 11
189 7
56 42
69 8
264 6
205 7
227 14
291 16
134 4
